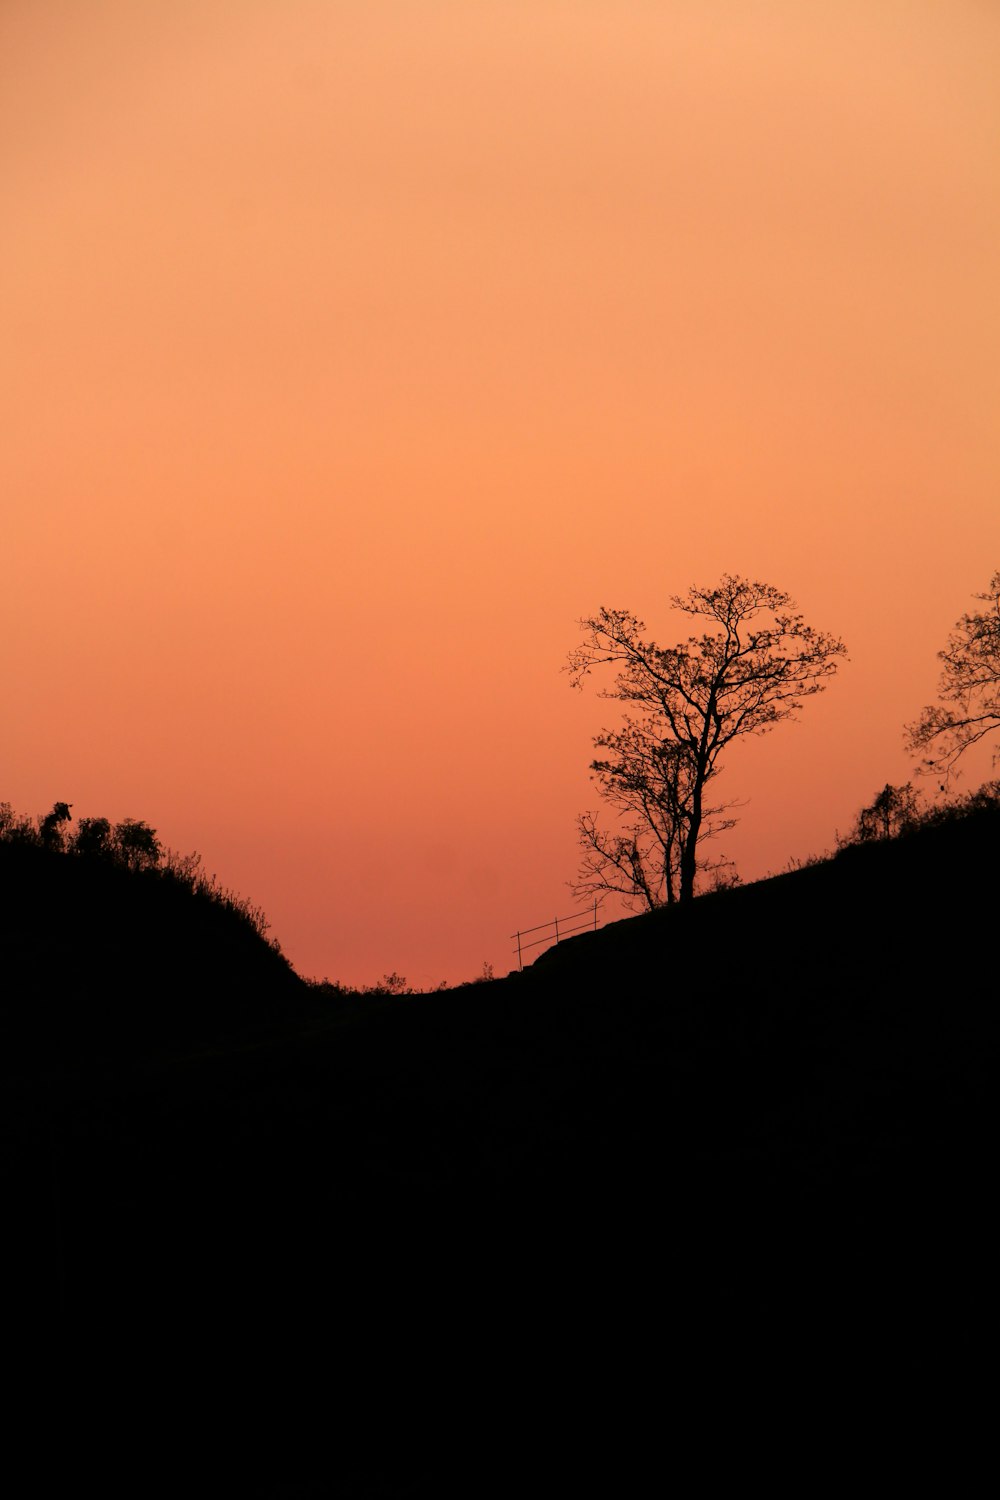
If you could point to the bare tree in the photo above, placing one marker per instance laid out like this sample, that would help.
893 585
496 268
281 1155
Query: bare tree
751 668
969 690
649 784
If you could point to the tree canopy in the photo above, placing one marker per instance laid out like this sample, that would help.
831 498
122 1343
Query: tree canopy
969 690
753 664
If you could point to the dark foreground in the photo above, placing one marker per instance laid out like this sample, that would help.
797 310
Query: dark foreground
443 1228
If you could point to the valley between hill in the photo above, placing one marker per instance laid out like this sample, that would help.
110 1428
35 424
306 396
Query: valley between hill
781 1093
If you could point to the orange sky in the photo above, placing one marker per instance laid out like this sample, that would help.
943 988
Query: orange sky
352 351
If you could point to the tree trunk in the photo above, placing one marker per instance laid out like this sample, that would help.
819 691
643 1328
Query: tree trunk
689 856
689 853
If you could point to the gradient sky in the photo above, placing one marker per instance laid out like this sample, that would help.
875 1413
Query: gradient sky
352 351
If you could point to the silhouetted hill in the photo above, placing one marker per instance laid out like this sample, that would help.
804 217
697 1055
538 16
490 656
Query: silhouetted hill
826 1032
773 1106
97 956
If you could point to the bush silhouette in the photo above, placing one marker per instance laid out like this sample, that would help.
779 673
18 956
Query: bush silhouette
891 812
92 838
50 828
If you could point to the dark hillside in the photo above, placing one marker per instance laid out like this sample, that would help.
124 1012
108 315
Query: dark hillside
99 957
779 1096
829 1032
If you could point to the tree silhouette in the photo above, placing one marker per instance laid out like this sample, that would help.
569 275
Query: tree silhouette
750 669
135 844
92 838
50 828
969 690
649 783
893 809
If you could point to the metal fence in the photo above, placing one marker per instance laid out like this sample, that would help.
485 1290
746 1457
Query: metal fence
555 931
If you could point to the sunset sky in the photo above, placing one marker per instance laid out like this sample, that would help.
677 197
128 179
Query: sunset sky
353 349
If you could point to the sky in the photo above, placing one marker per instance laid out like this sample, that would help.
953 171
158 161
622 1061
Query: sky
352 352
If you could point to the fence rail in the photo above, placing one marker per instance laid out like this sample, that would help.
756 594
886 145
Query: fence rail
556 930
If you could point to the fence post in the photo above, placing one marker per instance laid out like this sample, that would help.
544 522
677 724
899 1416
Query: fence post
557 929
520 965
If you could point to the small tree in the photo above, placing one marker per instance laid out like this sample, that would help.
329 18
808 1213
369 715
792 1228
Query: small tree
894 809
50 828
92 838
135 845
969 690
751 668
